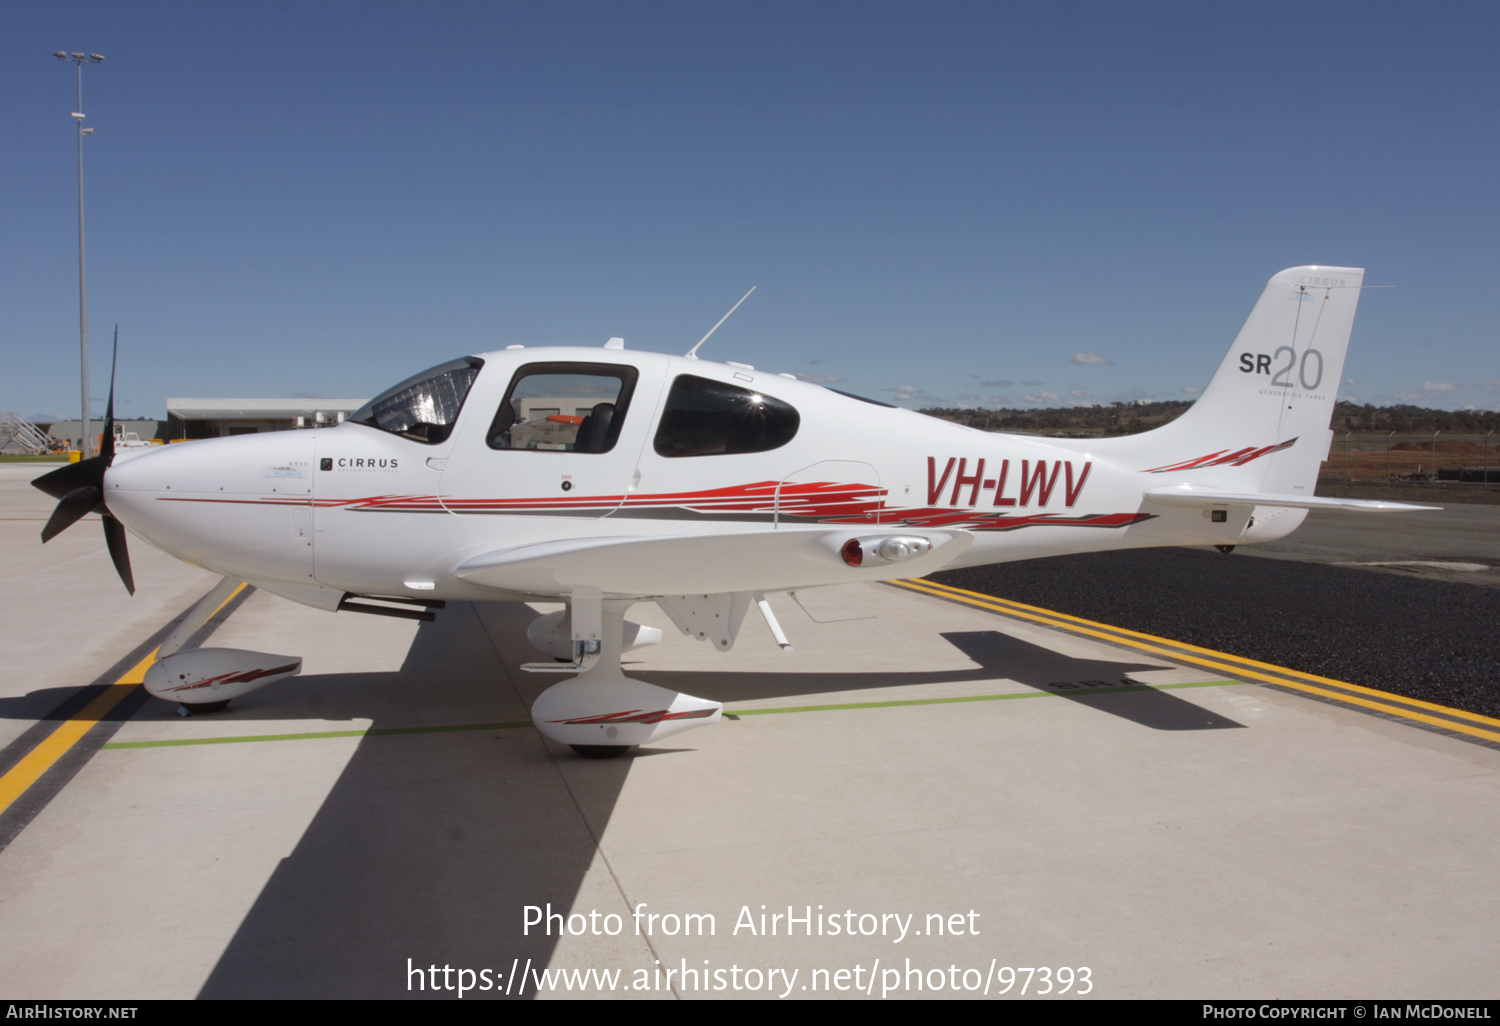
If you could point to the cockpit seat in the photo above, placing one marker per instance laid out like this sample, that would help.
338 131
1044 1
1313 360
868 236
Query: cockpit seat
594 432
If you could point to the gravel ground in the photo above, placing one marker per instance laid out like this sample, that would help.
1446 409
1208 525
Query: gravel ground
1431 640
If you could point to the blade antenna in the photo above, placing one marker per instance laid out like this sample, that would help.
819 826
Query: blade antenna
692 354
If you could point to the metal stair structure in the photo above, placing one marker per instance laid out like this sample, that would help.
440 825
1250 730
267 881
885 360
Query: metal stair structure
19 435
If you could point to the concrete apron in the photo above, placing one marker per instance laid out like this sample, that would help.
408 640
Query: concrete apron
1223 840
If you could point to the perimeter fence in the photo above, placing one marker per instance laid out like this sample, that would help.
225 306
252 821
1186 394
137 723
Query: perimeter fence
1432 459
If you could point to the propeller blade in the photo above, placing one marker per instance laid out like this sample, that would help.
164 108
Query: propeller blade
79 488
114 537
107 449
73 507
73 476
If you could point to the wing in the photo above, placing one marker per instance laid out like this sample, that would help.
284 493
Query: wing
780 560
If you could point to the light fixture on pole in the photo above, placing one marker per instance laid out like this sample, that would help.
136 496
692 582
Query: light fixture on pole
81 59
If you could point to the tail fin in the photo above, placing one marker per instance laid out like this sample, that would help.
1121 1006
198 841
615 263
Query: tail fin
1267 409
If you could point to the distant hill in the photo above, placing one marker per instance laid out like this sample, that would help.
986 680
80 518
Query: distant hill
1131 418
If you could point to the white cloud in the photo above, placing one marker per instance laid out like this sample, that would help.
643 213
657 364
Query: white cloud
1091 358
1042 397
1080 393
1002 383
912 394
1033 384
1431 386
820 379
1191 389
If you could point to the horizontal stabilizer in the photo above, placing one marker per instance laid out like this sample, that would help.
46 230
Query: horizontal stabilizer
705 563
1198 496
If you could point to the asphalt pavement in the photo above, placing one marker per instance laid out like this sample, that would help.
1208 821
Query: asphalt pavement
1372 599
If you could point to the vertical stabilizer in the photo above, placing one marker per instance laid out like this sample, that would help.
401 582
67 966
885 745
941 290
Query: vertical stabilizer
1263 421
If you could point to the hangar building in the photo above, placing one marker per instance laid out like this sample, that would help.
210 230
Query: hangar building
216 418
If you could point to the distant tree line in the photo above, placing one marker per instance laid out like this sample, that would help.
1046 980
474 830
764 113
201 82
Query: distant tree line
1413 419
1132 418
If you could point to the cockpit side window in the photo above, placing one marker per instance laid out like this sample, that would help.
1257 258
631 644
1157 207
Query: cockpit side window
423 407
711 418
564 407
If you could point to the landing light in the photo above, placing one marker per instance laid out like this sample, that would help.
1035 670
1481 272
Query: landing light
863 551
895 549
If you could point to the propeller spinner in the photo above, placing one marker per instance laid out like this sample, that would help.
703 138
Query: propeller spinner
79 489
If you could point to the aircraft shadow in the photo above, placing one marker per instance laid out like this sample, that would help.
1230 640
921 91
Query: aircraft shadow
429 844
999 656
1078 680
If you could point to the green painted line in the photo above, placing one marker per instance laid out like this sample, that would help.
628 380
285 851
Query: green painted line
980 698
455 728
393 731
378 732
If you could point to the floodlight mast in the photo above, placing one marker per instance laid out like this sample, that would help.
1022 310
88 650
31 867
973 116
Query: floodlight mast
81 59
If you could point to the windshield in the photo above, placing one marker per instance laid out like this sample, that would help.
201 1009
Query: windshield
425 406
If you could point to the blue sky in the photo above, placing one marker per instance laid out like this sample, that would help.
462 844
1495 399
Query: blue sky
940 203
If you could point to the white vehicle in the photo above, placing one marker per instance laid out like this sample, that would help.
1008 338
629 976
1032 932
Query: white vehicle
606 477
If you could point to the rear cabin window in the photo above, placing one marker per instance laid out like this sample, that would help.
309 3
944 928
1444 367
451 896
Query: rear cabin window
425 406
563 407
710 418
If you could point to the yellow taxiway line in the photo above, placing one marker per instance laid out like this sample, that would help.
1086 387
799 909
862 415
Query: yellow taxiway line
54 746
1473 724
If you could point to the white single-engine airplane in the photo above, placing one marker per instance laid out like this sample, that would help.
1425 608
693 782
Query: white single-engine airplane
602 478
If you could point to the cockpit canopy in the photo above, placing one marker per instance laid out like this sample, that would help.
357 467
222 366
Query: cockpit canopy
425 406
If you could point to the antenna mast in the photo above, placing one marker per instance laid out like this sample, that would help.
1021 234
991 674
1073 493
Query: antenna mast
692 354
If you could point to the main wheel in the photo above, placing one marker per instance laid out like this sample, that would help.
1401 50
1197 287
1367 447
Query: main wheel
200 708
600 751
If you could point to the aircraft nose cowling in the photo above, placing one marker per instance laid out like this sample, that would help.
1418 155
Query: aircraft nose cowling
239 506
275 462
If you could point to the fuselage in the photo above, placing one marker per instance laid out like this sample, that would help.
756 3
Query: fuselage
566 443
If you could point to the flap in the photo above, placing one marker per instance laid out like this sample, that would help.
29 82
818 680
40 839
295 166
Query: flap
764 560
